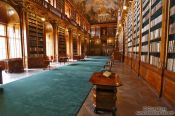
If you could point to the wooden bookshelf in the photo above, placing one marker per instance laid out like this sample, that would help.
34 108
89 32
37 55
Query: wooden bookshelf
61 41
136 36
171 38
120 40
169 72
36 40
155 32
130 33
154 40
126 39
136 29
145 31
60 5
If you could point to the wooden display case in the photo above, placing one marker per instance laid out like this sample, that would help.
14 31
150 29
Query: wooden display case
105 90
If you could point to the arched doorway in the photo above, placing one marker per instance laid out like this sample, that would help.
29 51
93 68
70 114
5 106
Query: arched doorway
49 40
10 39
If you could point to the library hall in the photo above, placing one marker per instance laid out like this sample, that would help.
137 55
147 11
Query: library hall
87 57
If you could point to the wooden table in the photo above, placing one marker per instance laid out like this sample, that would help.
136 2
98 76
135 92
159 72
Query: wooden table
105 91
48 62
63 59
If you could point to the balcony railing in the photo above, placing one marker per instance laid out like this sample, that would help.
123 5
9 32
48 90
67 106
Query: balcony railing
58 12
49 7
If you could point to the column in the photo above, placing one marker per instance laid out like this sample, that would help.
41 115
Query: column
55 40
70 43
22 17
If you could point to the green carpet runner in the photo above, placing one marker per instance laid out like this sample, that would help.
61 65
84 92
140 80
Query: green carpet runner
58 92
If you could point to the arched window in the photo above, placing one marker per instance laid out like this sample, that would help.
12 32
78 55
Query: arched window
3 53
14 40
10 40
49 40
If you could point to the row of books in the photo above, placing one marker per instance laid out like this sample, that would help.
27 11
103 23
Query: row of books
136 43
32 24
145 5
171 65
32 14
145 48
33 43
136 13
156 34
144 2
126 32
32 18
156 21
157 7
36 49
144 58
171 46
155 61
37 55
136 49
145 38
146 17
171 42
32 28
172 29
120 41
138 26
145 28
155 47
172 10
130 49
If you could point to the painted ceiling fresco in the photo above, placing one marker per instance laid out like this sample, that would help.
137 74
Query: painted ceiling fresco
98 11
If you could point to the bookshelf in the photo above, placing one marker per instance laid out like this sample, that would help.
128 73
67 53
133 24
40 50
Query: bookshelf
60 5
171 38
157 45
120 42
126 38
130 33
35 36
155 32
136 29
145 31
61 41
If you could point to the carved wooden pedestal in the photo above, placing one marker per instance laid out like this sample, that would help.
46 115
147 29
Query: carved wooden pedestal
105 91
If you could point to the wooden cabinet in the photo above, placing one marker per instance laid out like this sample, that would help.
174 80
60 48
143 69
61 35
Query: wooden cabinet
61 41
14 65
38 62
104 98
105 91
